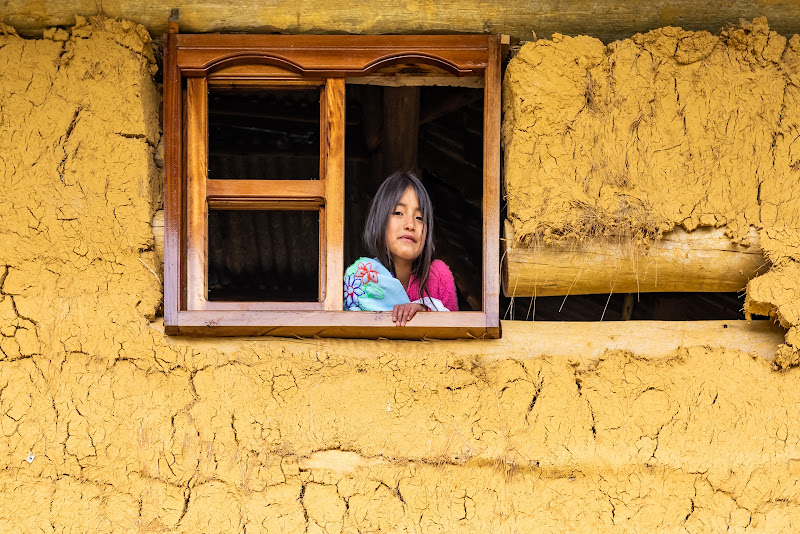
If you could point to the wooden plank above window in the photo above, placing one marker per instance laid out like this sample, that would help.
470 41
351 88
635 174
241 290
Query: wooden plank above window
321 55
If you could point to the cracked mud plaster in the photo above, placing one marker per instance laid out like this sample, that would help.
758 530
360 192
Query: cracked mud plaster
296 436
668 128
134 431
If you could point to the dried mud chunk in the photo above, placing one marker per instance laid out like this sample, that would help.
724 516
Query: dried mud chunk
776 294
786 357
788 354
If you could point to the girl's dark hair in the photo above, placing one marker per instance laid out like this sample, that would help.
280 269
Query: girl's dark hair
386 199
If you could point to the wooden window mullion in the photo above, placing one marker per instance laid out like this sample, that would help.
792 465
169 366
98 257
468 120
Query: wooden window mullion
173 188
491 187
197 207
310 192
332 144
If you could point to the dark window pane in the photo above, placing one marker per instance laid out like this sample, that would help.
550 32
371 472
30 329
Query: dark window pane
449 160
263 255
451 166
263 134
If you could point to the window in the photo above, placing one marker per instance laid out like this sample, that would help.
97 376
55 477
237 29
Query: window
255 131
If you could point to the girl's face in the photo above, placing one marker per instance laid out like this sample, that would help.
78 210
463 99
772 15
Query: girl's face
405 232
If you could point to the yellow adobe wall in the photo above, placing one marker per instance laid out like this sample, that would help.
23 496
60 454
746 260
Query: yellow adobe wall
668 128
132 431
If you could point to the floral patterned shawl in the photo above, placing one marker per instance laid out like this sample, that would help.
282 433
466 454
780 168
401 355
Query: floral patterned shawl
369 286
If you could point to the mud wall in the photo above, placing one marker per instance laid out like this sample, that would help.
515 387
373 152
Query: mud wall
668 128
107 425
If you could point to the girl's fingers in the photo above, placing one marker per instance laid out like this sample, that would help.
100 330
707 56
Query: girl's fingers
411 311
402 313
397 314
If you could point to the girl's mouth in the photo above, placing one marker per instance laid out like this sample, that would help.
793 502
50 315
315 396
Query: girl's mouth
408 238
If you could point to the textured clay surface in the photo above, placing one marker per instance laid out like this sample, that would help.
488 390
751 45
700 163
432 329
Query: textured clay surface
107 425
668 128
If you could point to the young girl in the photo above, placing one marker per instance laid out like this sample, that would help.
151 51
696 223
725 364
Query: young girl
402 276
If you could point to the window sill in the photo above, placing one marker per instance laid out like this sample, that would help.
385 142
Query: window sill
369 325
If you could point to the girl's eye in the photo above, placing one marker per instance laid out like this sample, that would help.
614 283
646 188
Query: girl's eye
397 213
419 218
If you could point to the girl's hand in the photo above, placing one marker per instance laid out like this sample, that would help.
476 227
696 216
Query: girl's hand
402 313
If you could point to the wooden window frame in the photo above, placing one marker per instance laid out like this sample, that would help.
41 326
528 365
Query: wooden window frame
191 63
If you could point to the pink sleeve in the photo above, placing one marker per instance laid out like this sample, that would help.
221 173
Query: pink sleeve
442 286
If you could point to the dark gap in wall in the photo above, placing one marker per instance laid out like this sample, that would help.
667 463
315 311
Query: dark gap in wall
616 307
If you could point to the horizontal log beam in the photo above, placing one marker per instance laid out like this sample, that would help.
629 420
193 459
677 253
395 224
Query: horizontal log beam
703 261
589 341
605 19
586 343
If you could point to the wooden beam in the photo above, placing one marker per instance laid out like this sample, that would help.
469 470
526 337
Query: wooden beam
371 99
331 323
174 263
491 185
605 19
446 103
320 56
266 189
400 128
196 169
650 339
331 245
647 339
704 260
394 80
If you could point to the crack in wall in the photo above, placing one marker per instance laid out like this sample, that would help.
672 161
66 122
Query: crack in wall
187 496
141 137
588 403
64 142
